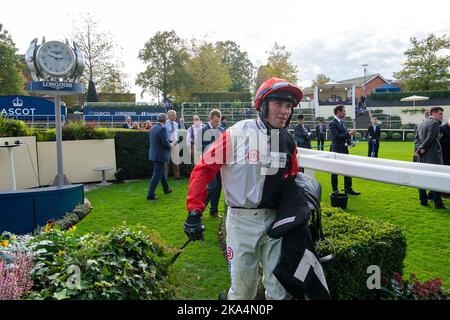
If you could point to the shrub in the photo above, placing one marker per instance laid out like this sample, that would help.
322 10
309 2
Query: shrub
70 219
74 130
399 95
15 280
397 288
358 135
396 136
132 153
13 128
125 263
359 243
383 136
410 136
132 148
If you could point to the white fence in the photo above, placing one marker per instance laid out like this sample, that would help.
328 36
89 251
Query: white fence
410 174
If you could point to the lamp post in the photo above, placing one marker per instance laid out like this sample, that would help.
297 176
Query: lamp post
365 73
364 85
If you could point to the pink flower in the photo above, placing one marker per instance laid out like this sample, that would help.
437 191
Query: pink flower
15 280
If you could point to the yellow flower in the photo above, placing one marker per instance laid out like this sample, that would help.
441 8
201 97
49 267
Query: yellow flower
4 243
49 227
60 253
73 228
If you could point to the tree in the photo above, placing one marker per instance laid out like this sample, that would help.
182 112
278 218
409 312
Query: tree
261 76
99 49
92 93
240 66
165 55
12 80
426 68
320 79
206 70
279 66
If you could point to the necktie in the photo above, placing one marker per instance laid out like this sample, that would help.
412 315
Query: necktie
192 135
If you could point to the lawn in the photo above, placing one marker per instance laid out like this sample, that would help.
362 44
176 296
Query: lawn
201 271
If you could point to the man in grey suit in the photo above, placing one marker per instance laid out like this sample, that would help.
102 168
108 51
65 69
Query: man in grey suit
159 153
428 150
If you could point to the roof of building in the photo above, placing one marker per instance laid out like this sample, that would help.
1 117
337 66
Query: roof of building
360 80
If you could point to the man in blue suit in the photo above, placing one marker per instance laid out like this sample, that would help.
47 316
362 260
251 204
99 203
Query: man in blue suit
340 141
159 153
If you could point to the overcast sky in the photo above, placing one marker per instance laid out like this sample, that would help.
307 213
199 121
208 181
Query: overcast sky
330 37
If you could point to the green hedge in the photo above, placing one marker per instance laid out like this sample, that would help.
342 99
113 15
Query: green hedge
132 148
359 243
396 136
132 153
221 96
74 130
403 94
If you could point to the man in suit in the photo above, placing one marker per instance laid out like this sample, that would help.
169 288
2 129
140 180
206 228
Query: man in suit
428 150
159 153
321 132
445 145
373 134
302 133
210 132
445 142
340 140
172 128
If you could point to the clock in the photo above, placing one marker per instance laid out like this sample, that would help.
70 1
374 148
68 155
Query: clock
56 59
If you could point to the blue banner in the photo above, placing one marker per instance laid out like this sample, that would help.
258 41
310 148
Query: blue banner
55 87
141 113
29 108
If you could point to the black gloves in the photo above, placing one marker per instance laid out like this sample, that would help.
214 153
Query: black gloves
193 226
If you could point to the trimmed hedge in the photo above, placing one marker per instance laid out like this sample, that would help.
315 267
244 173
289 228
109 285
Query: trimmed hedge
221 96
396 136
132 148
132 153
359 243
404 94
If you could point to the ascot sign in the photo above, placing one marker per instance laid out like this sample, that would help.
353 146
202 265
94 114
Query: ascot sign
25 108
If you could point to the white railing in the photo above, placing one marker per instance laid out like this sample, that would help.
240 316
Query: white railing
410 174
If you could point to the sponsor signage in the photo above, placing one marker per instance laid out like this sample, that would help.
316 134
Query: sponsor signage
55 87
141 113
28 108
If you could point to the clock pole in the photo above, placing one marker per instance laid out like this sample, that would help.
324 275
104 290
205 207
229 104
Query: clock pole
60 179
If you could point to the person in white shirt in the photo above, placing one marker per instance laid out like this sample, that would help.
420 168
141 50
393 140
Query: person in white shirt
193 143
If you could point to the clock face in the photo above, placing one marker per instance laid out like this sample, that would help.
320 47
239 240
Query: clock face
55 58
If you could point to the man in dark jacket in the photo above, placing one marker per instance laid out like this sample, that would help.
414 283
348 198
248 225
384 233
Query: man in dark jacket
445 142
428 150
321 131
302 133
373 134
210 132
340 140
159 153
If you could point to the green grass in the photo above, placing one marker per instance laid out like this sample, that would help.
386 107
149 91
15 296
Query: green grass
201 271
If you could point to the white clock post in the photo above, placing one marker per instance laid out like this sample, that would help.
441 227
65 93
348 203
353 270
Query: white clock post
56 68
